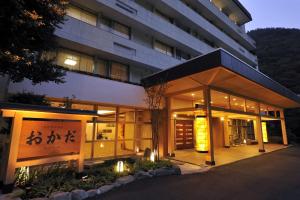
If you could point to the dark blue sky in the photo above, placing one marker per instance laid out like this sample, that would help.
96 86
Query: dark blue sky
273 13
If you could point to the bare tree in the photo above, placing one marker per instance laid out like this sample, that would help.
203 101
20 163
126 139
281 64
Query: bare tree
154 101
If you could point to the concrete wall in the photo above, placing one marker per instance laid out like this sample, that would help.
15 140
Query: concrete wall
87 88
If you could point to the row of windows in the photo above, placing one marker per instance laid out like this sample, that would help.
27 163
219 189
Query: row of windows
116 131
80 62
122 30
223 100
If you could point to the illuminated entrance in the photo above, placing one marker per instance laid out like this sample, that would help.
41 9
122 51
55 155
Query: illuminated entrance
229 102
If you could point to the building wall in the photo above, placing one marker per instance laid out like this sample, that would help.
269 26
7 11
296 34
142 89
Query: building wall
87 88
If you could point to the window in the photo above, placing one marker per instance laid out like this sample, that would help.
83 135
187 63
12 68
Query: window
75 61
101 67
121 30
115 27
237 103
119 71
163 16
219 99
163 48
82 15
180 55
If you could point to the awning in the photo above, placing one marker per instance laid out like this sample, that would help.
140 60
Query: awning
222 70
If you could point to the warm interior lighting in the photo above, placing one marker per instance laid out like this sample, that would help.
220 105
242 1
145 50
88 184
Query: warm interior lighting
101 145
222 118
137 150
234 99
248 120
193 94
103 112
245 141
201 136
264 131
69 61
175 115
120 166
226 97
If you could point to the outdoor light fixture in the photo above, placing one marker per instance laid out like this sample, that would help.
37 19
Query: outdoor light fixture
226 97
103 112
201 135
69 61
264 131
175 115
137 150
101 145
152 156
245 141
120 166
222 118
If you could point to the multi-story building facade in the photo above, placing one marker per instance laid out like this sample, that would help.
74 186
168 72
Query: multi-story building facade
109 46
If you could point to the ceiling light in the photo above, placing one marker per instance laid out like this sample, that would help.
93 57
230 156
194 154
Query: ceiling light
103 112
71 62
193 94
226 97
234 99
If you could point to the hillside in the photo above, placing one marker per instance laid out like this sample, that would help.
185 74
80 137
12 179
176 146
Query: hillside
278 52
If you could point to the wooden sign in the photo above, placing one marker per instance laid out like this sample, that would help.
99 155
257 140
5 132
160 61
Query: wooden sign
49 138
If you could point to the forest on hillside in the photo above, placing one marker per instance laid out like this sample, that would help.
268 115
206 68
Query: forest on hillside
278 52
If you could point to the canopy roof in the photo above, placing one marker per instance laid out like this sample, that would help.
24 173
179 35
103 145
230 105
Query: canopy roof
224 71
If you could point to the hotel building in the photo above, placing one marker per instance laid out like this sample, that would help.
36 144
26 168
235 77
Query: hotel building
216 96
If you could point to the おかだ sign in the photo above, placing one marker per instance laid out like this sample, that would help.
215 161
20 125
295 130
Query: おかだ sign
49 138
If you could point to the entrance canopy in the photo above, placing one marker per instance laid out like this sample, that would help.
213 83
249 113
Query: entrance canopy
221 70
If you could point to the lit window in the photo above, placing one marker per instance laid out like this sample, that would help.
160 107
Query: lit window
82 15
119 71
75 61
163 48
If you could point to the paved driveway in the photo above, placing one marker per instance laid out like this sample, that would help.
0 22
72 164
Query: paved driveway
270 176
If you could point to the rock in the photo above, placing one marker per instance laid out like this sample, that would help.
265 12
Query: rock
142 174
162 172
125 180
116 184
176 170
44 198
93 192
79 194
106 188
60 196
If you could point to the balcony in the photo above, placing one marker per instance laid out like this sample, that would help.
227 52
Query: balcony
75 34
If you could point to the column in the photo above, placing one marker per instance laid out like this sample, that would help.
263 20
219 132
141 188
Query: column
210 158
226 133
283 128
258 130
171 130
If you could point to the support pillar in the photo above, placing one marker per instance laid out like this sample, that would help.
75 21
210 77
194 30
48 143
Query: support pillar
283 128
171 129
258 130
210 158
226 133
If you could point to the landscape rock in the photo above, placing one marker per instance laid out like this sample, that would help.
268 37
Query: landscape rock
60 196
165 171
142 175
116 184
93 192
106 188
176 170
79 194
125 180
